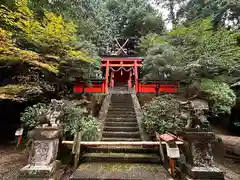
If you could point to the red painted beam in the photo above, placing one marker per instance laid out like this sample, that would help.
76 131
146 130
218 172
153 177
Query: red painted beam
150 88
95 88
122 59
121 65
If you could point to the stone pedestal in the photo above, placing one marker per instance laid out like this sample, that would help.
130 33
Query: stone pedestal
199 157
42 160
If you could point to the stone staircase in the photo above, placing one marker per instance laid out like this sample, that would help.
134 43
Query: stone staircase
120 162
121 123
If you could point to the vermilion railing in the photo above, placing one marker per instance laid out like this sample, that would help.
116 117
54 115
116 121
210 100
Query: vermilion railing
160 86
99 86
96 86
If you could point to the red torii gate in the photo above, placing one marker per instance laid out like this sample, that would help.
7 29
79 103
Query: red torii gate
129 67
131 62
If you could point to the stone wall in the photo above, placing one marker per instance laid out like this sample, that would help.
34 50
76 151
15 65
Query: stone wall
145 98
139 115
103 113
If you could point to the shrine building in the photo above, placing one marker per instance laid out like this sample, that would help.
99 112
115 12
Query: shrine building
121 71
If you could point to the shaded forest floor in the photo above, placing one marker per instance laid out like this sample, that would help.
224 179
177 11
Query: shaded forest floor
11 162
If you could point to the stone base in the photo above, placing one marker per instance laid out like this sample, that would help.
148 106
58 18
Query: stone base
38 171
205 173
56 176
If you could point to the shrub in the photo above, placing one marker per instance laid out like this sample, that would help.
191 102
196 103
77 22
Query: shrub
74 118
220 94
77 119
30 116
162 114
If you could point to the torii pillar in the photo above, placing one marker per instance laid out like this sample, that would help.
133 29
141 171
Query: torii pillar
106 75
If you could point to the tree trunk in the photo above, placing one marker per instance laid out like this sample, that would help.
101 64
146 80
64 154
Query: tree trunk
172 13
231 143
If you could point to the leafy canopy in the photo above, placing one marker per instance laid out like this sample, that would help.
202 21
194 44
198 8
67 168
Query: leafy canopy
201 56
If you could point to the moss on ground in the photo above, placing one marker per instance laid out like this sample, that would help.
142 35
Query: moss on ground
117 167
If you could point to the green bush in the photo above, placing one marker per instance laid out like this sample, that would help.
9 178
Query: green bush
222 97
30 116
77 119
74 118
162 114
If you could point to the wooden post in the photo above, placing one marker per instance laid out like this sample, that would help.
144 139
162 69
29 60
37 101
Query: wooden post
136 75
103 87
130 79
106 76
172 166
76 149
111 80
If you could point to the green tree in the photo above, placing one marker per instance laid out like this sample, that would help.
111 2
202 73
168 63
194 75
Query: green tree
201 53
171 6
159 63
222 11
135 18
34 50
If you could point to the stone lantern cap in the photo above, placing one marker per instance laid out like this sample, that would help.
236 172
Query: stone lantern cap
46 133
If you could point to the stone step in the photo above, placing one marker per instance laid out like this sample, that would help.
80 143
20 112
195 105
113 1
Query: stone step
120 171
121 157
121 149
120 119
121 116
121 100
121 109
121 96
122 134
127 105
120 139
119 123
117 129
115 117
112 112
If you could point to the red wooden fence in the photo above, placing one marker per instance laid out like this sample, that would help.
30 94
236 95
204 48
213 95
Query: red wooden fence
95 87
149 87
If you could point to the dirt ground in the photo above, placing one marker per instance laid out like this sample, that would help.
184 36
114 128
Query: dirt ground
11 161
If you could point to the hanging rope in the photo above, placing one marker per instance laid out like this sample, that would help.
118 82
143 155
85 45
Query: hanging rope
127 70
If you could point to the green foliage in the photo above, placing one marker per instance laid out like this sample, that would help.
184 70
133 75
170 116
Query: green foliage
34 48
171 6
77 119
135 18
159 62
195 53
149 41
11 54
220 94
30 116
74 118
51 35
222 12
162 114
